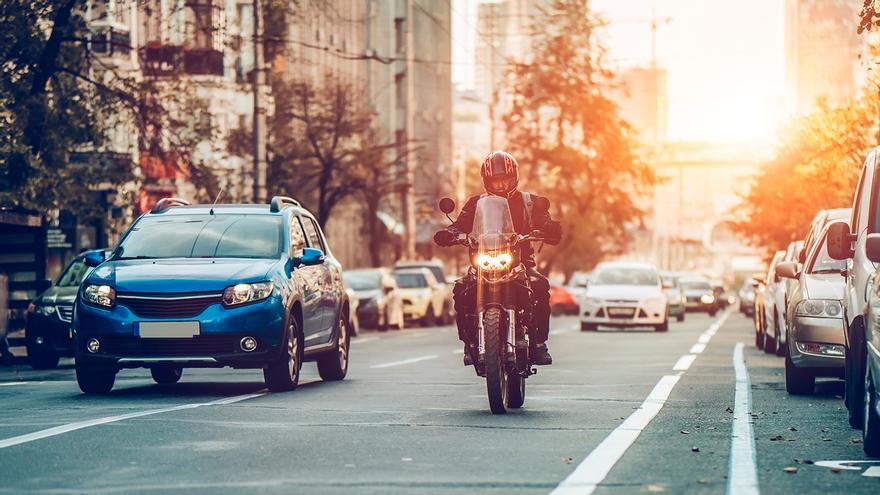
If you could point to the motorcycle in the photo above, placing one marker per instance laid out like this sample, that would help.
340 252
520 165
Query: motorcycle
503 313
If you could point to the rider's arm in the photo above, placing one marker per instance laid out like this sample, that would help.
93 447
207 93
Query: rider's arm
551 230
462 225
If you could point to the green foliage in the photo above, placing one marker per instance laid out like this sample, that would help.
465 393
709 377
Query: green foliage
570 141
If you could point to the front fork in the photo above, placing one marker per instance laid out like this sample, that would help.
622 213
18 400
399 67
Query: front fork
511 333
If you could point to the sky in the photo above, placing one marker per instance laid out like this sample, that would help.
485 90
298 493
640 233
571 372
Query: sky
725 60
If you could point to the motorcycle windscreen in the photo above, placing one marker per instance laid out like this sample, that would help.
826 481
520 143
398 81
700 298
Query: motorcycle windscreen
493 224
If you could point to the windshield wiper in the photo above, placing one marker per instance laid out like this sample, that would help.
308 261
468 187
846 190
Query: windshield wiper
135 258
827 270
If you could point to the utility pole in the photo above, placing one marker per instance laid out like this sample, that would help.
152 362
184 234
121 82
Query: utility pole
409 200
259 120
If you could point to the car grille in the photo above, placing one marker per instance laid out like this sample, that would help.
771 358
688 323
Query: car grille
203 345
624 313
693 299
175 306
65 313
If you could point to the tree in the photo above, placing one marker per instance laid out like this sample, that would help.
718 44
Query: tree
571 142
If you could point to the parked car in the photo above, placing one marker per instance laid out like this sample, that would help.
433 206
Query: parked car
443 289
747 297
49 315
245 286
760 292
353 306
847 242
561 300
624 294
675 295
380 303
699 296
815 343
871 383
421 301
577 284
767 328
776 302
719 291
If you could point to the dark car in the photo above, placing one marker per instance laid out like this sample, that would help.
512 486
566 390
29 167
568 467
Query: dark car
699 296
238 285
47 332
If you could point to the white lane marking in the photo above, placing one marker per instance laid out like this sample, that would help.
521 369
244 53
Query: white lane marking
596 466
405 361
592 470
9 384
458 351
684 362
870 472
704 338
560 332
698 348
79 425
361 340
742 478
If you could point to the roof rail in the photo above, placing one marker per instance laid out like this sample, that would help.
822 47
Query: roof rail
165 203
279 202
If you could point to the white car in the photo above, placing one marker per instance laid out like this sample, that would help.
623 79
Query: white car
624 294
421 302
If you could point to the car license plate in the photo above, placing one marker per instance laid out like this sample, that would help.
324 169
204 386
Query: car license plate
168 329
628 312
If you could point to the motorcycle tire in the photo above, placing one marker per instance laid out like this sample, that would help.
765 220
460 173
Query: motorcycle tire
497 386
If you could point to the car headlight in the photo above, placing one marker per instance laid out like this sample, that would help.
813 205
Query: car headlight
819 308
707 299
245 293
102 295
491 262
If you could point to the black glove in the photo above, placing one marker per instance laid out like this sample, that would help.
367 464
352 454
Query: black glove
445 238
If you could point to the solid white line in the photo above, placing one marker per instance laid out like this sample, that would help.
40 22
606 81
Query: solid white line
361 340
684 362
742 478
592 470
698 348
79 425
405 361
9 384
704 338
458 351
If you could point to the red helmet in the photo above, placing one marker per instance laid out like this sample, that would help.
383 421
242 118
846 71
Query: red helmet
500 173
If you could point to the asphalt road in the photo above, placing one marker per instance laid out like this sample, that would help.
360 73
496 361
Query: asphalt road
619 412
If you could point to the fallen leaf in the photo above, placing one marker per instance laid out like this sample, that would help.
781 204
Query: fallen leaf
406 459
776 438
792 429
695 449
791 470
568 460
685 432
826 439
856 440
656 488
824 430
729 409
702 482
836 470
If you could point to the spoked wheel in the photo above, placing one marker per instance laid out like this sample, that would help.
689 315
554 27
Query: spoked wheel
333 365
283 374
497 385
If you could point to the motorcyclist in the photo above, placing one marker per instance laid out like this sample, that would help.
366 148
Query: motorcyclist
500 174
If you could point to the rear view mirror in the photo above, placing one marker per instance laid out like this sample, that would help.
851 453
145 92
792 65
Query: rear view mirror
839 241
447 205
758 277
872 247
787 269
310 257
94 258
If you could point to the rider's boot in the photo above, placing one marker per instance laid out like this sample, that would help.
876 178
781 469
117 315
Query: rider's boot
469 355
540 356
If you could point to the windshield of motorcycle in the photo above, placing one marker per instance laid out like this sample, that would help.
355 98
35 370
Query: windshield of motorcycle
493 224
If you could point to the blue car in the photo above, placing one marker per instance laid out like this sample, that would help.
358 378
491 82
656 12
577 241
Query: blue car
245 286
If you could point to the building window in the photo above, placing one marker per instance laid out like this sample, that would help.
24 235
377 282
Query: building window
204 25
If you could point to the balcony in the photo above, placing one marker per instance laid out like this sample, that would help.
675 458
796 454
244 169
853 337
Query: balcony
203 62
111 41
169 60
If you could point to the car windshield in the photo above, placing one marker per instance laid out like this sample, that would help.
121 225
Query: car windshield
74 274
579 280
203 236
434 269
695 285
824 263
625 276
361 280
411 280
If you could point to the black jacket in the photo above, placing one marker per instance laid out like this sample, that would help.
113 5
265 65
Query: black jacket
550 229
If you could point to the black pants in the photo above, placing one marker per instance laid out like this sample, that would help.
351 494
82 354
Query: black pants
465 295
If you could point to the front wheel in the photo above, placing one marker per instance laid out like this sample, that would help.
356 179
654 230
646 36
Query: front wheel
165 375
854 386
769 343
663 327
40 357
871 428
680 317
589 327
798 382
93 380
497 385
282 374
333 366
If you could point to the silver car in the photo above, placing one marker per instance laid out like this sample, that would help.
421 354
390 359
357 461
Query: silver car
816 343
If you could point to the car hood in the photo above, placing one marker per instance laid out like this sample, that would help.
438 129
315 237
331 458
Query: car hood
180 274
416 292
698 292
623 292
57 295
824 286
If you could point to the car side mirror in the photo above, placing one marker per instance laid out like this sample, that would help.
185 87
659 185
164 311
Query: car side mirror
872 247
787 269
802 255
447 205
309 257
839 241
759 277
94 258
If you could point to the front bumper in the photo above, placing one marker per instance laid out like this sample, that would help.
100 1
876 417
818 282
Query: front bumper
629 314
828 331
220 332
51 332
677 309
415 309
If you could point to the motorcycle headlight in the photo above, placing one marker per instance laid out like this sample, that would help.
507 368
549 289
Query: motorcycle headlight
707 299
490 262
819 308
245 293
102 295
